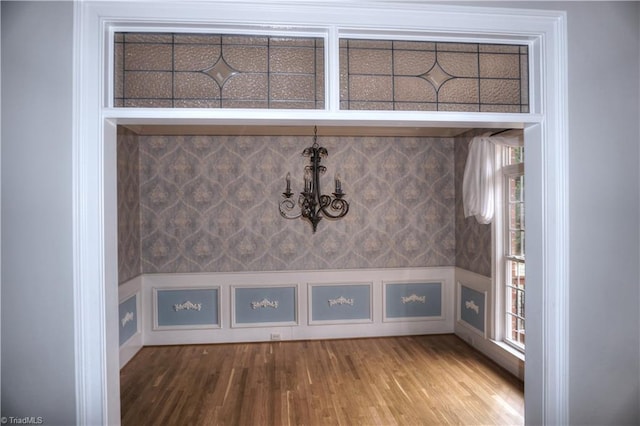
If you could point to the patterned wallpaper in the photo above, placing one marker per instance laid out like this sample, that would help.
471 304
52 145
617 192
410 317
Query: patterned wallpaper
210 204
473 240
128 205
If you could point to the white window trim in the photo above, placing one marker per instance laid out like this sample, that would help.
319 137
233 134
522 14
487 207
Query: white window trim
95 269
499 242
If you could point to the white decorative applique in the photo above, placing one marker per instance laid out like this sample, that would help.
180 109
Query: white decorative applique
470 304
341 301
127 318
187 306
414 298
265 303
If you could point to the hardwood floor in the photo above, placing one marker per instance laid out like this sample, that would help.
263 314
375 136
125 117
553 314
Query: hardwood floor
413 380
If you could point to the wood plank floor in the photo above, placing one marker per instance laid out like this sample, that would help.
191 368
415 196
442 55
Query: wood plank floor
414 380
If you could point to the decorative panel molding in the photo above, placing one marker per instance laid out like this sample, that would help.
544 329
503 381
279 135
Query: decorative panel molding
429 76
264 305
472 308
178 70
340 303
186 308
403 300
128 318
209 204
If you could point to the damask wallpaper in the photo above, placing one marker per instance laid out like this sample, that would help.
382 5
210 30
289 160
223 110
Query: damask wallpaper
211 204
473 240
128 205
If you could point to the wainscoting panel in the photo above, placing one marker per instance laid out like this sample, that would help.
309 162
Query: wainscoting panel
473 308
131 324
186 308
340 303
475 314
128 314
412 300
297 305
262 306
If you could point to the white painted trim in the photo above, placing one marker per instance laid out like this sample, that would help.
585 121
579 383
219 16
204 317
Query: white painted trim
463 323
97 383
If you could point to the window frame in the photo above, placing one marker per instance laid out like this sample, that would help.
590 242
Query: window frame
500 238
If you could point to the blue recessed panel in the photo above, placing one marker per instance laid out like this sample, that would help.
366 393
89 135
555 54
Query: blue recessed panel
341 302
472 307
407 300
187 307
128 318
255 305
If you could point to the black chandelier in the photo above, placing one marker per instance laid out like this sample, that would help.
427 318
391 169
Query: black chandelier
313 204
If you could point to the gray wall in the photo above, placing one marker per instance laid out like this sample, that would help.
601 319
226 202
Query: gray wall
37 292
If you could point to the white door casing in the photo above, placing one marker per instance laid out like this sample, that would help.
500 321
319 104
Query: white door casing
546 136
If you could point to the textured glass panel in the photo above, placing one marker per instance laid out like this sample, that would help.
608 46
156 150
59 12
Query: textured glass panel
148 103
370 61
412 62
292 60
250 40
292 87
371 88
458 107
247 58
192 85
456 47
195 57
148 57
499 66
148 38
459 64
459 90
292 105
118 71
233 103
414 45
500 108
370 44
500 91
363 106
524 79
416 106
197 39
413 89
249 69
455 72
196 103
291 41
147 84
246 86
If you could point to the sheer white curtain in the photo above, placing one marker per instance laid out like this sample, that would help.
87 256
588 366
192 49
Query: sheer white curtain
480 173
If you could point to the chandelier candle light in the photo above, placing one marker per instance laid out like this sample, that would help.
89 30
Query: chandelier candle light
313 204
